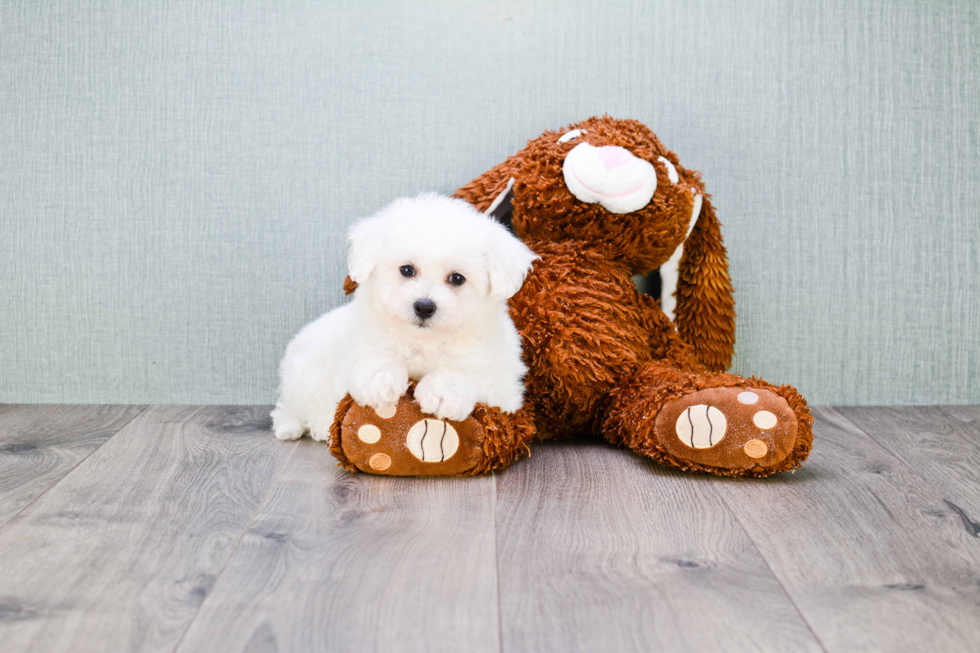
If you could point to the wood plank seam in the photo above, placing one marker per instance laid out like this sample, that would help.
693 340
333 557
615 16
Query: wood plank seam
772 571
73 468
630 565
496 561
901 459
231 553
971 527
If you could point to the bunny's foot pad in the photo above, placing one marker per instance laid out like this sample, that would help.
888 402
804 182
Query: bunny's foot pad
400 440
730 428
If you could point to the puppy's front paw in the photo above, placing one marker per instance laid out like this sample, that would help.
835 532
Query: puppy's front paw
509 402
285 427
378 386
320 431
447 396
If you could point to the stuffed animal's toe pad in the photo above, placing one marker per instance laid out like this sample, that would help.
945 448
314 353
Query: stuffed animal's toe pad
400 440
728 428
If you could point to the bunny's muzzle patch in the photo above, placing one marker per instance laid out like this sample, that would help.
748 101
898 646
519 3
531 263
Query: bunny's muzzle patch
611 176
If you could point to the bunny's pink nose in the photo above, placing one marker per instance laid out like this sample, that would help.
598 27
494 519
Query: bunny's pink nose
613 157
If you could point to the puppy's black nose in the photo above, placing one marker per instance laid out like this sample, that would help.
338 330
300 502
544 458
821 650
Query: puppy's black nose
425 308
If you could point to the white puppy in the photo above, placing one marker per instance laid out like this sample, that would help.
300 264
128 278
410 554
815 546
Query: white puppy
434 276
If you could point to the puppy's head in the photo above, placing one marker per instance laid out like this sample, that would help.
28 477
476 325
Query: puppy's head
432 263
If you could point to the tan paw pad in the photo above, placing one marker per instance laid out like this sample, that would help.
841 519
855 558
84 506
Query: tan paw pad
387 412
764 419
369 433
755 449
701 426
728 428
432 440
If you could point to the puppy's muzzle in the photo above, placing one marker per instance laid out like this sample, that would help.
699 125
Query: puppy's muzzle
424 308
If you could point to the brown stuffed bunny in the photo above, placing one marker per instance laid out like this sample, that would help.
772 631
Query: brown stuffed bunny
600 202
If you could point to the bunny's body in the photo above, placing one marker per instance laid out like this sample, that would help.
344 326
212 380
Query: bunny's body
598 203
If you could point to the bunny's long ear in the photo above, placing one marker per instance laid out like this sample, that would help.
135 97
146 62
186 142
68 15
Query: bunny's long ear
482 191
705 306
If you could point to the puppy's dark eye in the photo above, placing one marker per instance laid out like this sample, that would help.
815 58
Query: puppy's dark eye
457 279
407 271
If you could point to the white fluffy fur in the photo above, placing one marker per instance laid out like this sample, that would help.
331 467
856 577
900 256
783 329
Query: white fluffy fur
467 352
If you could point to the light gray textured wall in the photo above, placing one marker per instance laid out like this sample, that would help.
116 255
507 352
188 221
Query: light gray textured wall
175 177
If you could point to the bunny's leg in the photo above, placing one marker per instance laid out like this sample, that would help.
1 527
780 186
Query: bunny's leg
716 423
403 441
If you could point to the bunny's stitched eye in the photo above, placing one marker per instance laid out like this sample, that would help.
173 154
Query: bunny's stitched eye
671 170
407 271
456 279
575 133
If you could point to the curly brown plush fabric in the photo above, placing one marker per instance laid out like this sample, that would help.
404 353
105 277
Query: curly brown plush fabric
349 285
336 433
584 327
506 438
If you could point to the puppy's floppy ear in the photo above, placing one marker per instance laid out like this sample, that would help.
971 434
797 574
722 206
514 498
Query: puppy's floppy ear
364 243
705 306
508 260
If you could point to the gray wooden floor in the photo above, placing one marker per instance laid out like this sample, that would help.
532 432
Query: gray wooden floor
192 529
